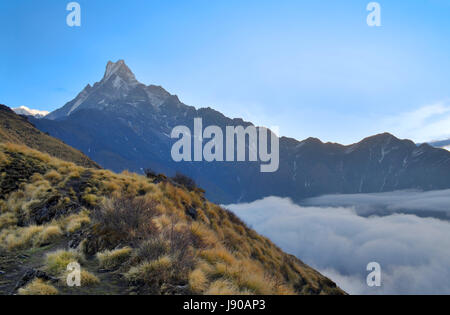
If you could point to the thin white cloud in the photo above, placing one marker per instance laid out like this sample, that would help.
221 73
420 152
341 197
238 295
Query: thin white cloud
428 204
414 252
428 123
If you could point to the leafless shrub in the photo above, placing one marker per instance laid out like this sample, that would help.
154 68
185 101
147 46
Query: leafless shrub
151 249
185 181
125 220
150 173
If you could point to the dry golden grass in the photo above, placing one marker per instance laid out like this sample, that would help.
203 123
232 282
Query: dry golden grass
53 176
47 235
208 237
223 287
112 259
3 159
56 262
74 222
7 219
90 199
198 281
88 279
218 254
214 254
3 206
151 271
38 287
17 238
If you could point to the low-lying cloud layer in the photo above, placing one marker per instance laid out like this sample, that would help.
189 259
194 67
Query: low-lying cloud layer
427 204
414 252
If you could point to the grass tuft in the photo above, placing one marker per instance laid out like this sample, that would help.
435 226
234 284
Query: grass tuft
198 281
56 262
38 287
112 259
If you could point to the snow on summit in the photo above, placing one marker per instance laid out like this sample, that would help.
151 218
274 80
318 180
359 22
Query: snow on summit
23 110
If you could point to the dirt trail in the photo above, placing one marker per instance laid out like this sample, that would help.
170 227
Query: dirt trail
14 265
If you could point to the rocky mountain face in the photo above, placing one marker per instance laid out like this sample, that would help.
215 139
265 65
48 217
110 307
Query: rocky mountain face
123 124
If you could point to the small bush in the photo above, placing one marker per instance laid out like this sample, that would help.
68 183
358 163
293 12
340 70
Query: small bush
125 219
38 287
112 259
173 241
149 173
181 242
151 250
185 181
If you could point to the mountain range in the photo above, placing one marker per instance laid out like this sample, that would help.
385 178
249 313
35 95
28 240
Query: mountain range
25 111
123 124
444 144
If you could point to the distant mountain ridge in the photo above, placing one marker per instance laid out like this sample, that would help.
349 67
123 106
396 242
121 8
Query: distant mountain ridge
444 144
25 111
123 124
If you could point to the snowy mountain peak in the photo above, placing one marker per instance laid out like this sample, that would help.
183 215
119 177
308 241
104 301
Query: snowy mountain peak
117 90
121 70
23 110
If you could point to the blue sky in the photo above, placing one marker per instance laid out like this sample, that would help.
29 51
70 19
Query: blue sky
313 68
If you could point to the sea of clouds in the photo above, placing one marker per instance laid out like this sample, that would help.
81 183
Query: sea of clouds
425 204
339 241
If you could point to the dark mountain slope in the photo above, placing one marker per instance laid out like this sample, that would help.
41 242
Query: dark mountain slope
123 124
17 129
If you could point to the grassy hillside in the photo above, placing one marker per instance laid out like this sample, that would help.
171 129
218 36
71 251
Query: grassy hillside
131 234
17 129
